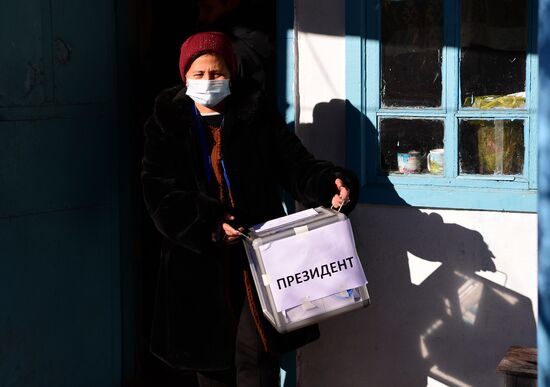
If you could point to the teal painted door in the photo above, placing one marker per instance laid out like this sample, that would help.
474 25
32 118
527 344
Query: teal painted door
59 243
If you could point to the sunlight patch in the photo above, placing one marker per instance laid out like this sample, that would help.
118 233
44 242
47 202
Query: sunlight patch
420 269
454 382
469 296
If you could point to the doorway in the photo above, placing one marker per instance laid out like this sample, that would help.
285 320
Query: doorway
155 33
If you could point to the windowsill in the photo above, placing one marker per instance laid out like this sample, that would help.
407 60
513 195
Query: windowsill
469 198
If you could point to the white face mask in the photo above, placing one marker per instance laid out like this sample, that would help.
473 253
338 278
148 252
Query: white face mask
208 92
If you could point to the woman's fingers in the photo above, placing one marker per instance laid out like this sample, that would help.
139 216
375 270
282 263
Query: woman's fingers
342 197
229 230
337 201
230 233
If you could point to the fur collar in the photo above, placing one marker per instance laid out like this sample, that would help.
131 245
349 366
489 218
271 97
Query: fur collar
173 108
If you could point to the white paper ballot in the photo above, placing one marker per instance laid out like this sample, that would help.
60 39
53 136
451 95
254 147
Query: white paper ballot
323 305
286 220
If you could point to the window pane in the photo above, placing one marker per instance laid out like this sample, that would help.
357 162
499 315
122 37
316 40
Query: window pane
411 46
491 147
494 51
407 144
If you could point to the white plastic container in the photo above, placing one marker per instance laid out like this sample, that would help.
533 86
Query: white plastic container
306 268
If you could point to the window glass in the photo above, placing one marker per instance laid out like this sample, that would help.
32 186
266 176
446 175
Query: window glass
411 145
449 89
411 47
494 52
491 147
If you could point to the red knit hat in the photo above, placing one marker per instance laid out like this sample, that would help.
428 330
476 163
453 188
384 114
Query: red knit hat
203 42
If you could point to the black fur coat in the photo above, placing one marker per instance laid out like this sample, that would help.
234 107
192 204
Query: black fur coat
191 316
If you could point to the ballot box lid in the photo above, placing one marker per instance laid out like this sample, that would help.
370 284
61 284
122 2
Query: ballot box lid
285 226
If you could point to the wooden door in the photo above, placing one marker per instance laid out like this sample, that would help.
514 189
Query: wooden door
59 239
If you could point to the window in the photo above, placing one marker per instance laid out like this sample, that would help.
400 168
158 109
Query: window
447 96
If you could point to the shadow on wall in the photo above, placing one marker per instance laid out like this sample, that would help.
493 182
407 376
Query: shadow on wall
433 317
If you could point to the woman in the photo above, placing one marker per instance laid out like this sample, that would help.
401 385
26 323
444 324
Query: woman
215 157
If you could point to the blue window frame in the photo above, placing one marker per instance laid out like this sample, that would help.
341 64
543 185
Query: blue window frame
488 153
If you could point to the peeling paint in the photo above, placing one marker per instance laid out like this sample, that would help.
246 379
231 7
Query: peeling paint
63 52
33 78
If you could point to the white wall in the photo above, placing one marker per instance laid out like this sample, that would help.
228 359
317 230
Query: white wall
436 317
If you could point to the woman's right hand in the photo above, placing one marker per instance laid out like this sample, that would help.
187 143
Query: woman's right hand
231 234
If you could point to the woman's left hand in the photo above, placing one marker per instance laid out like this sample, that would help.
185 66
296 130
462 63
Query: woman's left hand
342 197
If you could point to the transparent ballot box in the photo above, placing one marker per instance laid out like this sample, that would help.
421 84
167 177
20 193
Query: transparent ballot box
306 268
